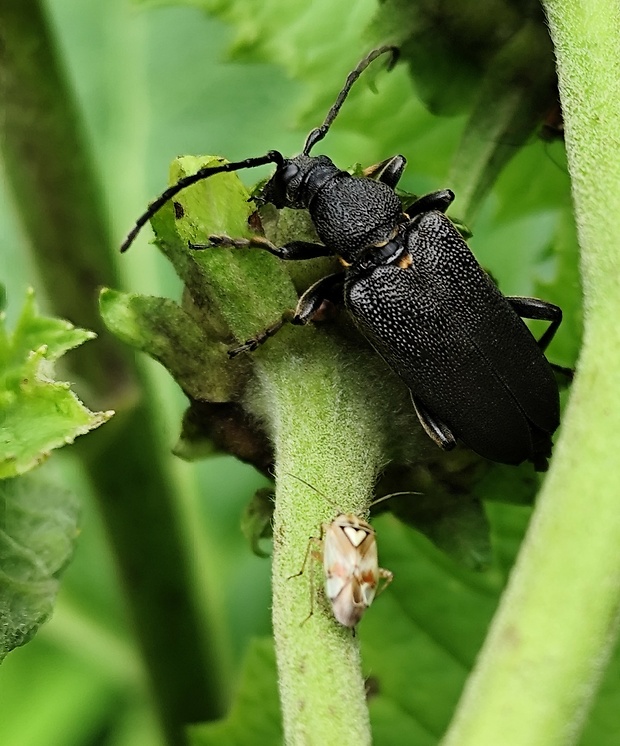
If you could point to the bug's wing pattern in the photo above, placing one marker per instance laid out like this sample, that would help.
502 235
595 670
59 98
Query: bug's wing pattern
458 344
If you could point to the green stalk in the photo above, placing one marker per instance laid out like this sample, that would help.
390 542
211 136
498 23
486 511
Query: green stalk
327 432
558 619
49 169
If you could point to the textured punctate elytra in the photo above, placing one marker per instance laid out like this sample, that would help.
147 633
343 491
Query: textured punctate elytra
458 343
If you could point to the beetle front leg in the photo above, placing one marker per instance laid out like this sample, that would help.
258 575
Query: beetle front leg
328 288
293 251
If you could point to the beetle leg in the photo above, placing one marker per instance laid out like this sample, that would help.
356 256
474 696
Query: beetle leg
328 288
251 344
532 308
388 171
540 310
440 200
293 250
434 428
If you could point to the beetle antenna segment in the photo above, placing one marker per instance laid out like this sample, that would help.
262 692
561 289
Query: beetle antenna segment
319 133
273 156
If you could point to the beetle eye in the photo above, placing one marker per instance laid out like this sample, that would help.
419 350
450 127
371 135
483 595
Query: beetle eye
289 172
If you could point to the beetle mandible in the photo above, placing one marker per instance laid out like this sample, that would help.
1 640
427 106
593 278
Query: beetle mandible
416 292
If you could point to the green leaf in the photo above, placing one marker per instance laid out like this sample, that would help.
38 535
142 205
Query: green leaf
38 414
518 89
493 60
38 530
420 638
162 329
254 718
256 521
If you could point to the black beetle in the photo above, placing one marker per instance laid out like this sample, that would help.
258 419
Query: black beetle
418 295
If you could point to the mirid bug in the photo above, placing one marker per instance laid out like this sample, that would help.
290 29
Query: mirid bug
416 292
351 565
347 549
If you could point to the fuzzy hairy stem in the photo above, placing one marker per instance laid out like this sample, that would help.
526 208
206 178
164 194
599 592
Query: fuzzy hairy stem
325 432
558 620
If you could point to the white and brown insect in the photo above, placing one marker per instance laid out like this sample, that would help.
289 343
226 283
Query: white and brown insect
352 573
347 549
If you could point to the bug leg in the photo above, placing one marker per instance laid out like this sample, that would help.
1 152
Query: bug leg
434 428
293 250
328 288
440 200
315 553
387 577
388 171
313 541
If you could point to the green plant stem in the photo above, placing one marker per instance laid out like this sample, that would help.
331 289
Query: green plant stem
325 432
558 619
48 166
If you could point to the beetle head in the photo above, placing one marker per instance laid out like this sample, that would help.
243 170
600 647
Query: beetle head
284 189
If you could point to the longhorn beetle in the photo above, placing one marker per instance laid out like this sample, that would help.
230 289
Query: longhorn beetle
416 292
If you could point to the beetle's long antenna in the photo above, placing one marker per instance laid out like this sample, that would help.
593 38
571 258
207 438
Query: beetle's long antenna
204 173
319 133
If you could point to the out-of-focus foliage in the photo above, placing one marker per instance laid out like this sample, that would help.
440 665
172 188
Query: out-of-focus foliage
38 529
37 414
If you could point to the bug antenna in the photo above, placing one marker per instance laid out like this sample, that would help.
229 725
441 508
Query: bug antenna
312 487
392 494
273 156
319 133
374 502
